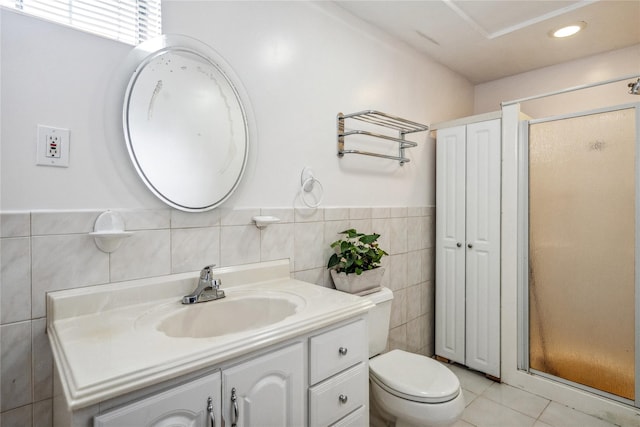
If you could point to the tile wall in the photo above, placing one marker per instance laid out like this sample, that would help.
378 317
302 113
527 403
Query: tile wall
43 251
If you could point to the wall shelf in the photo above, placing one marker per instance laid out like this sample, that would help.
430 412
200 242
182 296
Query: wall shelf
382 120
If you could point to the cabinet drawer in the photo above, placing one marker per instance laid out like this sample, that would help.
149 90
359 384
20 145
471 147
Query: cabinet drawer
334 398
338 349
358 418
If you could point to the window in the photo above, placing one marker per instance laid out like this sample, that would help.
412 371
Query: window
129 21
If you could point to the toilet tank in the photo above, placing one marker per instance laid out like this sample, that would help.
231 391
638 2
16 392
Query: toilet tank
379 317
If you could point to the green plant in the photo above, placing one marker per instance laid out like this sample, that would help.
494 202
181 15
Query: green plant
356 252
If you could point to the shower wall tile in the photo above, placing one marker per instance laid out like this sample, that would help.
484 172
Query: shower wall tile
15 276
414 211
336 214
42 361
230 216
416 330
430 233
415 273
309 215
381 212
63 262
398 338
146 219
18 417
314 275
181 219
15 362
45 223
428 264
398 308
42 413
382 226
45 251
398 235
398 212
331 234
239 245
415 305
146 253
276 243
416 233
308 245
397 271
15 224
362 225
359 213
285 215
194 248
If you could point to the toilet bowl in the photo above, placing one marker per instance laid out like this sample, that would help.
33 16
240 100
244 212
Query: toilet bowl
408 389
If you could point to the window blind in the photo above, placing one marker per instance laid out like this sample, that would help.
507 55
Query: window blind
129 21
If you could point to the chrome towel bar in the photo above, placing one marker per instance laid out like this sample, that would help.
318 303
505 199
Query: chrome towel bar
387 121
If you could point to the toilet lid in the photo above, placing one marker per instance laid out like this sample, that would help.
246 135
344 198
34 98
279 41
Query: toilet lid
414 377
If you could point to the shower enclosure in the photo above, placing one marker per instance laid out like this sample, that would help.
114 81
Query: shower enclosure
580 269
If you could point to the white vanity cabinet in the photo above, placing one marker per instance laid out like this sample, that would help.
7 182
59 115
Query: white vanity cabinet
339 377
320 379
266 391
468 165
117 365
194 404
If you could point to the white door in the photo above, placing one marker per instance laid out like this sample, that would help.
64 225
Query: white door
267 391
483 247
194 404
450 243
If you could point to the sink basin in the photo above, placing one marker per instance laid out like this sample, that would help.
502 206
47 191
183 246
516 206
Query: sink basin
227 316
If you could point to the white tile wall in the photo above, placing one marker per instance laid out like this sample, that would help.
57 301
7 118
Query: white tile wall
50 250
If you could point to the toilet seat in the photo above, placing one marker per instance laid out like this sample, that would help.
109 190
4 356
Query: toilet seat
414 377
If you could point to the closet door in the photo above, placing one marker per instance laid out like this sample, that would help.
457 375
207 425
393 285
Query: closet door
483 247
450 243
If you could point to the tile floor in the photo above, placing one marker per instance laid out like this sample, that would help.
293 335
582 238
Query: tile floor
490 404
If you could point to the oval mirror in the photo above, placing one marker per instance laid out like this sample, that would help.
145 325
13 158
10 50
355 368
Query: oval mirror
185 123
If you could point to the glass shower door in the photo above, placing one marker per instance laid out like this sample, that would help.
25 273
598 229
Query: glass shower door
582 226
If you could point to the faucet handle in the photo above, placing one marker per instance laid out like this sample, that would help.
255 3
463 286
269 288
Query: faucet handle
205 273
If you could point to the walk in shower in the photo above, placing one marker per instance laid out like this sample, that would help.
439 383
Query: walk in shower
580 295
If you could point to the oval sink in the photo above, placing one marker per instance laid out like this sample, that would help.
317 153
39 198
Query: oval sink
226 316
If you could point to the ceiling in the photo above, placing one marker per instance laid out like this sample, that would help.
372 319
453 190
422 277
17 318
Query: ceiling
488 40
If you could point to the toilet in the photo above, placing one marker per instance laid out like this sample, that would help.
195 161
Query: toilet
407 389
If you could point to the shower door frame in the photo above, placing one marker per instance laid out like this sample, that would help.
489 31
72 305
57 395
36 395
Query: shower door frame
523 252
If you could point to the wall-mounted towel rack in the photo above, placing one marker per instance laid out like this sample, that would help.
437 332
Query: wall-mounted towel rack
403 126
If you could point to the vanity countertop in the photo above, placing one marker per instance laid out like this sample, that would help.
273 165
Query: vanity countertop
106 342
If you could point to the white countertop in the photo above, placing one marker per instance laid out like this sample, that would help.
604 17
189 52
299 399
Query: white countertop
105 340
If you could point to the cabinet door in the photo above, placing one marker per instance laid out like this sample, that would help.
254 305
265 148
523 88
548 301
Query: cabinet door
450 243
483 247
268 390
186 405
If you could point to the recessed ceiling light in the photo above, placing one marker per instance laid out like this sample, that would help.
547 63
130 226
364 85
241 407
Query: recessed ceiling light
569 30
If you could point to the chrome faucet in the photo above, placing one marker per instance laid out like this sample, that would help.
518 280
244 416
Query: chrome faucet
208 288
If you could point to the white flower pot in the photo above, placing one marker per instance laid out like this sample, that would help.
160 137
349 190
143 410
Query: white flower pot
367 282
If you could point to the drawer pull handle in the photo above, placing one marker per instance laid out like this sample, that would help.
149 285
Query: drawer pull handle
212 417
343 399
342 351
234 414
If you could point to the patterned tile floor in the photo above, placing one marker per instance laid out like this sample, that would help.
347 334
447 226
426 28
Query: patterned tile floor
490 404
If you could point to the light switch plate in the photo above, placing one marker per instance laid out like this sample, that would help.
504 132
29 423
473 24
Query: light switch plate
52 147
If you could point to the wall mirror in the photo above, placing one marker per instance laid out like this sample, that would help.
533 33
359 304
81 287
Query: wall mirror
186 123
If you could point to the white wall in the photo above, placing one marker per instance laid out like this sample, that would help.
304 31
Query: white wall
301 64
597 68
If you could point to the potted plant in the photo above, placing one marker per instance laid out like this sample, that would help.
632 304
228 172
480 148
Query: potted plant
355 265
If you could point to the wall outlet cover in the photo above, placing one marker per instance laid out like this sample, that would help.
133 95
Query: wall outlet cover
52 146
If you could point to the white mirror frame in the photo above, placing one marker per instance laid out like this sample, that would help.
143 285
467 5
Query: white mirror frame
204 176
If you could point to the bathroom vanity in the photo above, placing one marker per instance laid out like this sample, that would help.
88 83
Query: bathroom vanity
274 351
